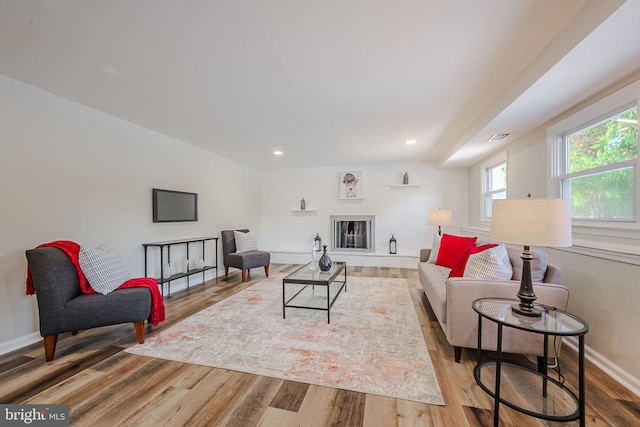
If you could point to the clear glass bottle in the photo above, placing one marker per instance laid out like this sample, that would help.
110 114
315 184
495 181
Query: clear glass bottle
317 243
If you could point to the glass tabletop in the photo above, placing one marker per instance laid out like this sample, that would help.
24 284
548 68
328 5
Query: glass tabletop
553 321
311 274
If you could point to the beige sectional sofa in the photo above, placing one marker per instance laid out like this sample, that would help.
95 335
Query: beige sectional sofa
451 299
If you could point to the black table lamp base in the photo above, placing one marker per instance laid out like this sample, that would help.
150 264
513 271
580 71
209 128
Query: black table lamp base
525 293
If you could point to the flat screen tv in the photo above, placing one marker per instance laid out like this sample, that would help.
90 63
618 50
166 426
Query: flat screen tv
174 206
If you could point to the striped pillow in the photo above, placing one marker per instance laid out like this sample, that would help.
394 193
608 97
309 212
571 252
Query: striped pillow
104 270
245 242
435 247
492 264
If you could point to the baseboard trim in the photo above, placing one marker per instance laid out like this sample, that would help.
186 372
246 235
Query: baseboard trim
610 368
17 343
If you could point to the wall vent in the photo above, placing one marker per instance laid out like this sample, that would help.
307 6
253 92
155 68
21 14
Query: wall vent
498 137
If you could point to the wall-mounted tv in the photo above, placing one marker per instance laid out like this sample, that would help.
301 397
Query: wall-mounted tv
174 206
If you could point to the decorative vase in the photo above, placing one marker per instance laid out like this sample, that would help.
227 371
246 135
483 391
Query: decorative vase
405 178
325 261
303 204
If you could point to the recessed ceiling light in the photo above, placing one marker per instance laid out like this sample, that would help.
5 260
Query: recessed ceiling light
278 153
411 141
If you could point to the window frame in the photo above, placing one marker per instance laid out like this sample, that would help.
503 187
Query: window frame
564 156
492 163
557 148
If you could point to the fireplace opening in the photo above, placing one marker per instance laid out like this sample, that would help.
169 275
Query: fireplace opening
352 233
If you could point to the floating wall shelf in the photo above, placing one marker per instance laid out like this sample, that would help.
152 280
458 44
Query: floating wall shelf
306 212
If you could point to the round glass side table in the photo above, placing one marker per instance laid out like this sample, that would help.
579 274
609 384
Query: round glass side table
529 391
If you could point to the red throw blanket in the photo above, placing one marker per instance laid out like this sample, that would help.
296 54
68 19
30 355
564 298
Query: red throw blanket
72 250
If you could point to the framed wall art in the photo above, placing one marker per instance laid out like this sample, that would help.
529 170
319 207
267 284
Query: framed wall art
350 185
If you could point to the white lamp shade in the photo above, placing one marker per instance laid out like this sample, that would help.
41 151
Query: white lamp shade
531 222
439 217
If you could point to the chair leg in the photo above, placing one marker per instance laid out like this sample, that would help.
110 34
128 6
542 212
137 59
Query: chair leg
266 270
226 271
139 327
50 342
244 275
458 354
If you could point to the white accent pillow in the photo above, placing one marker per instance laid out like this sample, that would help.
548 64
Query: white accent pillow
104 270
491 264
245 242
435 247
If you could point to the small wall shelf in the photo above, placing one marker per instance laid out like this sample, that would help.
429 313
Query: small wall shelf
405 186
305 213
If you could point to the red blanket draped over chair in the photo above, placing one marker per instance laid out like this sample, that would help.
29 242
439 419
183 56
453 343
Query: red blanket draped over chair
72 250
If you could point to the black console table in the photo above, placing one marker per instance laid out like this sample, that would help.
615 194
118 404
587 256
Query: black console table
190 271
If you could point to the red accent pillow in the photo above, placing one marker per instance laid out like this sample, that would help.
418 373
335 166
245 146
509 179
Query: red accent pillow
453 247
458 269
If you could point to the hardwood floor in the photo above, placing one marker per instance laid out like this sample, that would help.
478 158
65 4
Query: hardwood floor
106 386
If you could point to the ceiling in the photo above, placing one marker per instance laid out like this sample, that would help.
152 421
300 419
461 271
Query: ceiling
327 82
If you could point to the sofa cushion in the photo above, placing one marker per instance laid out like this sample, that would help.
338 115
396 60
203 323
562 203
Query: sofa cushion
453 248
245 242
538 264
490 264
433 278
458 269
435 247
103 269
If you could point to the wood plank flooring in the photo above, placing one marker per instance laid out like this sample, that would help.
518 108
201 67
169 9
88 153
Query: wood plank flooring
106 386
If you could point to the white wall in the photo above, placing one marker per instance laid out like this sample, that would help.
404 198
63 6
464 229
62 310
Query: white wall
70 172
401 211
602 291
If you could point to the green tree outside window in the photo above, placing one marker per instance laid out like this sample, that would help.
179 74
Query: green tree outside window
599 189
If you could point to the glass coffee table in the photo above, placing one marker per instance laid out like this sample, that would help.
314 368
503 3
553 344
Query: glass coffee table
313 289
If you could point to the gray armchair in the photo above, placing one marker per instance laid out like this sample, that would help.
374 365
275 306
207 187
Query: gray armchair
244 261
63 307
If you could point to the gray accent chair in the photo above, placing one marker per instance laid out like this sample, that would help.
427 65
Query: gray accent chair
244 261
63 307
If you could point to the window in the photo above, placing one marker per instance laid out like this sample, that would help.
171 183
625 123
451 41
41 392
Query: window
494 182
597 166
593 161
593 156
597 169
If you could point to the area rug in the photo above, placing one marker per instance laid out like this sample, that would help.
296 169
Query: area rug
373 344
